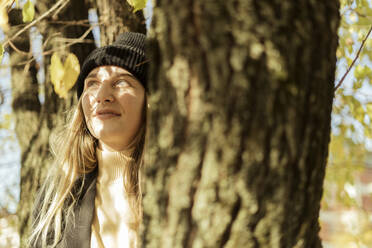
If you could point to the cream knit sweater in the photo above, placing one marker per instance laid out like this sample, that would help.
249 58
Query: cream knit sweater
113 218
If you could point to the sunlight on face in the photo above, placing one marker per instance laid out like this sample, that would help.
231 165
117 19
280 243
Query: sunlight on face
113 102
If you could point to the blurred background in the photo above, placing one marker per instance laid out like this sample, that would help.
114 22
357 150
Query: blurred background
346 208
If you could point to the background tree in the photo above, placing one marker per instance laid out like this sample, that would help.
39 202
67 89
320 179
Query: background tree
26 110
35 121
240 111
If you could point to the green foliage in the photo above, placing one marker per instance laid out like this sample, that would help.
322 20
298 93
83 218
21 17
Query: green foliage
64 76
28 11
351 125
353 100
137 4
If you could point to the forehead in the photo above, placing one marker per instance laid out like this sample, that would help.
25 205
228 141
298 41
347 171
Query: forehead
108 71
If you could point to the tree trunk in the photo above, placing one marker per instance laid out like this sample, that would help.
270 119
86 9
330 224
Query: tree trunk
38 127
117 18
36 121
240 110
26 110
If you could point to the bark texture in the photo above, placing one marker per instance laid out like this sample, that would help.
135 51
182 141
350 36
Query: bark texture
26 109
240 110
117 18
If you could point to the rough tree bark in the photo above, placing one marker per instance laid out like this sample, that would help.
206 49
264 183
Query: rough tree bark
26 108
36 121
240 110
116 15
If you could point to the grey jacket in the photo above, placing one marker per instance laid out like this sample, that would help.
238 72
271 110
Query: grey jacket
78 232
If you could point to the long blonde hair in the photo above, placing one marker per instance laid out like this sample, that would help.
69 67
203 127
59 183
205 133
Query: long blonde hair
75 156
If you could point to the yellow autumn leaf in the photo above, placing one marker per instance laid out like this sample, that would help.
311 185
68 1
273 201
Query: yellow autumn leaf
56 73
4 15
63 76
137 4
28 11
72 70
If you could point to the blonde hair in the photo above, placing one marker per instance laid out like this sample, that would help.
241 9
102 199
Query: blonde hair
75 158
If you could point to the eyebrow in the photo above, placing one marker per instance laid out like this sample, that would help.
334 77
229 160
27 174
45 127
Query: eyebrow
121 74
124 74
93 75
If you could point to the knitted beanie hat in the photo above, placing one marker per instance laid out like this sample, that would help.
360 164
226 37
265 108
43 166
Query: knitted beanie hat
128 52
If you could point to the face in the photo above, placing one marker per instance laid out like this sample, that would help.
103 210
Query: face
113 102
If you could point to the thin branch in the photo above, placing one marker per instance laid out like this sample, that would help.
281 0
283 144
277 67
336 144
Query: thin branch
10 6
55 6
75 40
49 38
17 50
83 23
54 16
81 39
71 40
356 57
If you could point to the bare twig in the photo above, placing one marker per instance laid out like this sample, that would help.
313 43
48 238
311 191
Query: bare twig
356 57
10 6
54 16
55 6
49 38
16 49
71 40
74 40
81 39
83 23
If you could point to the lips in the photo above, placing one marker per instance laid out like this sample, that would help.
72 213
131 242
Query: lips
106 113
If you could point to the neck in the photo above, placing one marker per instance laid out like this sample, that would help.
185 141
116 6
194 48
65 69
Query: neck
122 146
112 148
112 164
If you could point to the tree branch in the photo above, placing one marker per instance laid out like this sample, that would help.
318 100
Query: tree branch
10 6
356 57
55 6
81 39
16 49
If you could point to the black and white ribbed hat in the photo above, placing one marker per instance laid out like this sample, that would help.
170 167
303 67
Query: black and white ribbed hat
128 51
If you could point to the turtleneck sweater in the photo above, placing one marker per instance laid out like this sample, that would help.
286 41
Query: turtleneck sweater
113 219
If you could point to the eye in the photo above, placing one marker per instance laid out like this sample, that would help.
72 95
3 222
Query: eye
122 83
91 83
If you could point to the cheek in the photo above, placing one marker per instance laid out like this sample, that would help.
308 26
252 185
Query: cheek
134 107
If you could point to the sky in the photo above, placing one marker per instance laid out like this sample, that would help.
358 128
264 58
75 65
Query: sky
9 149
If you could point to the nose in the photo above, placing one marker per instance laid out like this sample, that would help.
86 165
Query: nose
104 94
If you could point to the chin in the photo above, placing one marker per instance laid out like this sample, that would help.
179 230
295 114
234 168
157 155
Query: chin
108 135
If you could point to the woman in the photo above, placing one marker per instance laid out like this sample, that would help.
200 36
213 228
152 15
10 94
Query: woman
92 198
